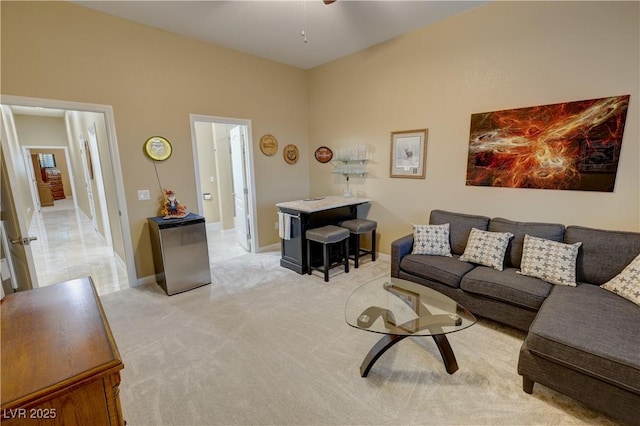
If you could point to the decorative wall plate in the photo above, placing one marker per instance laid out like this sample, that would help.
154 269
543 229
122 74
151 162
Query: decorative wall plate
268 145
158 148
324 154
290 154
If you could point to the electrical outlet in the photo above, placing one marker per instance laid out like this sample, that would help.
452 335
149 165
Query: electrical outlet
143 194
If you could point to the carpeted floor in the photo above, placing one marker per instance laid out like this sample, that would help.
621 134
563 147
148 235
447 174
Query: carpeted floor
264 345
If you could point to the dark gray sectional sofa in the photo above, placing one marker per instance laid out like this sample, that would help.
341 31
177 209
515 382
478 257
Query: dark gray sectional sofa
583 341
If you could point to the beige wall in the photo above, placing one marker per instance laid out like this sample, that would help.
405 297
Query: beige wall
154 80
500 56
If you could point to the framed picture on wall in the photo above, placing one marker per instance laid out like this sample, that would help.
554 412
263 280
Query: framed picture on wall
408 154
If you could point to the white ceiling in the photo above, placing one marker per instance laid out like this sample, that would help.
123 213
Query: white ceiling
272 29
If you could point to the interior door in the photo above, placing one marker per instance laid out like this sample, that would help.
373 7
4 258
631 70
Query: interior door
87 179
16 225
240 192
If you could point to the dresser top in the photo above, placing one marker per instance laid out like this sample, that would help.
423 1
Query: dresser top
317 204
53 337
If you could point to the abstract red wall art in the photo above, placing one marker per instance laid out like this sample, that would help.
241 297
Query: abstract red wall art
571 145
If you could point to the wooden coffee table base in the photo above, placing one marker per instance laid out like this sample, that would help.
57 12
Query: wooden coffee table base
389 340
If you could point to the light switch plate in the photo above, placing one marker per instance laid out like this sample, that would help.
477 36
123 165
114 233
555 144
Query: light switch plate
143 194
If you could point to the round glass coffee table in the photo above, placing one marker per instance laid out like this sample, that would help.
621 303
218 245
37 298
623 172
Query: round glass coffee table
399 308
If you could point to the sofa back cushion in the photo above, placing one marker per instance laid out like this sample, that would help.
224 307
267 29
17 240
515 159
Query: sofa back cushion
460 225
548 231
604 254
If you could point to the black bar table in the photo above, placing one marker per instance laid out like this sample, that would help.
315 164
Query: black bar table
312 213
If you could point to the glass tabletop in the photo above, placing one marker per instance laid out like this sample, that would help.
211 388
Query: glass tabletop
403 308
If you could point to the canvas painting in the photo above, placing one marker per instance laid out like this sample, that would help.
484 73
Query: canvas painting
571 145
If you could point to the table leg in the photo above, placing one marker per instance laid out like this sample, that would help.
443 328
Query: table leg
448 357
376 352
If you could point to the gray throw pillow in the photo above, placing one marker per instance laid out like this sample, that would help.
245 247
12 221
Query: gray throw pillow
550 261
486 248
431 240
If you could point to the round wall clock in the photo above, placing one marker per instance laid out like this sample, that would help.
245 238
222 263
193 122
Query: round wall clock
268 145
158 148
324 154
290 154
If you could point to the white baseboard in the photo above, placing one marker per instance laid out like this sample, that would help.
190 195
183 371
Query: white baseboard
272 247
149 279
214 226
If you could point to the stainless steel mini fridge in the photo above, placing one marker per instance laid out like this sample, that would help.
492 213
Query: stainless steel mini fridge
180 252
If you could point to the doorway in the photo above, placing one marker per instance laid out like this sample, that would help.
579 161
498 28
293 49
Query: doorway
97 154
224 174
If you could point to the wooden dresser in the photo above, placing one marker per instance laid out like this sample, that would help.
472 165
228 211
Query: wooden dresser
54 179
45 194
60 363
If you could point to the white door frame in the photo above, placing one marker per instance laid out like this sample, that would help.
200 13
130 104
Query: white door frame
251 183
110 124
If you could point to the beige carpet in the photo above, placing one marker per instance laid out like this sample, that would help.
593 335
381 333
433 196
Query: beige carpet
264 345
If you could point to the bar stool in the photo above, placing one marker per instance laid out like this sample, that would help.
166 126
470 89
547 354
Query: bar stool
327 235
358 227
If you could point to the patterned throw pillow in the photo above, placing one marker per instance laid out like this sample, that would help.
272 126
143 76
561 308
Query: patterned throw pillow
627 282
550 261
431 239
486 248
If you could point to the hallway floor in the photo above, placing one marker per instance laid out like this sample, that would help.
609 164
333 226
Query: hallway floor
68 247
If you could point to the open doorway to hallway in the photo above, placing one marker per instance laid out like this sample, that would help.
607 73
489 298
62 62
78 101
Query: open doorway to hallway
223 163
85 230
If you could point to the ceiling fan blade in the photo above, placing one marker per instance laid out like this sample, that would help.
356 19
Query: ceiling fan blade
329 1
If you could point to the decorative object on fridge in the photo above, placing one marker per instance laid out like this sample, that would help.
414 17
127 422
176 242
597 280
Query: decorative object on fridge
570 145
291 154
408 154
171 207
268 145
323 154
158 148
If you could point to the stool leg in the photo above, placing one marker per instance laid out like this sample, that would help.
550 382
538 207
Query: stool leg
357 252
373 245
309 256
325 256
346 255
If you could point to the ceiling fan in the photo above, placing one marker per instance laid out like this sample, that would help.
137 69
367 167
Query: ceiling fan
329 1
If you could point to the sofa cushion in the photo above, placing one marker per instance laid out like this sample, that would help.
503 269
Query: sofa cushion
445 270
591 330
460 226
604 254
627 282
506 286
548 231
486 248
431 240
549 260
